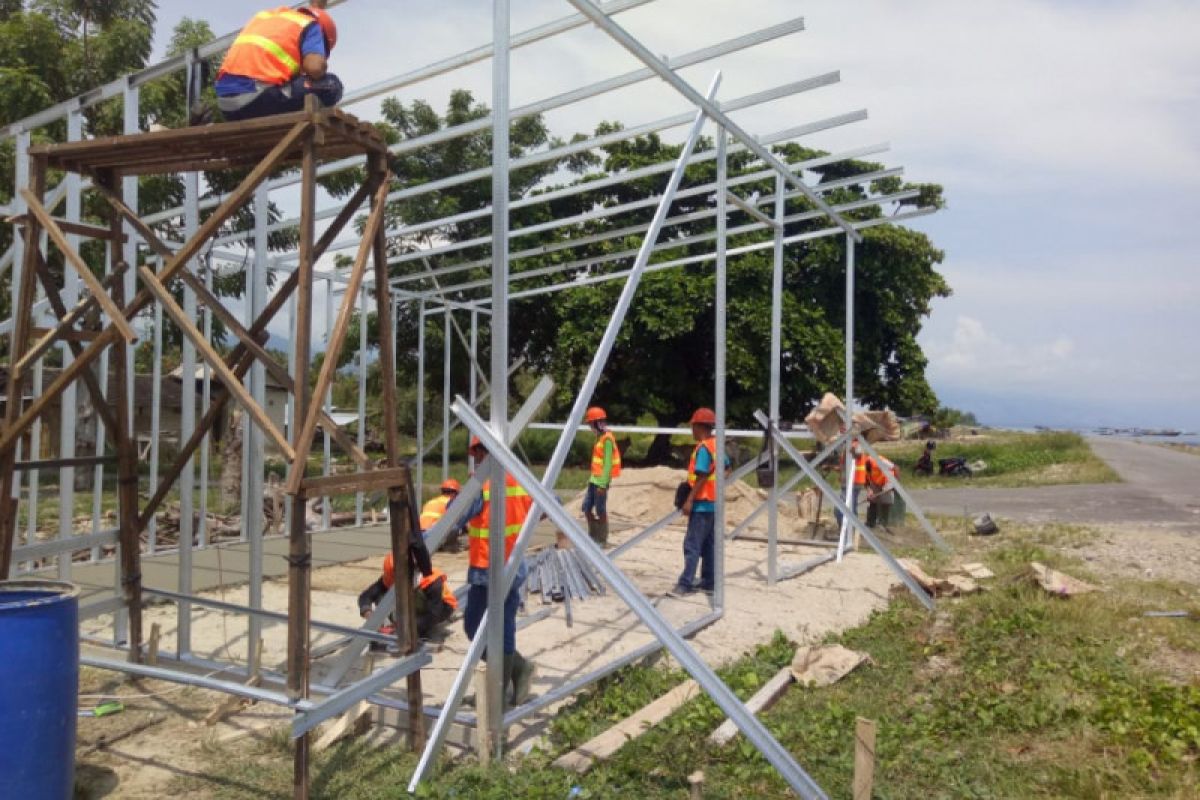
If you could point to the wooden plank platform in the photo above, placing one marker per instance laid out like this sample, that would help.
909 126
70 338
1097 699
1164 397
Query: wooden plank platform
213 147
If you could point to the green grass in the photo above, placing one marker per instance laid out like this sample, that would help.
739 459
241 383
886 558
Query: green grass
1005 694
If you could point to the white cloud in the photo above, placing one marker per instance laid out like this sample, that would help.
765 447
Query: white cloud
973 353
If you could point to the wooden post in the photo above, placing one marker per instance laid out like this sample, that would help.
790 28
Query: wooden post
401 499
864 758
299 553
128 535
16 378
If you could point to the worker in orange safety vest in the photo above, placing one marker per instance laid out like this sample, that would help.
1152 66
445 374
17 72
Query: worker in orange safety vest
434 599
700 507
880 496
606 465
435 509
860 478
518 670
279 58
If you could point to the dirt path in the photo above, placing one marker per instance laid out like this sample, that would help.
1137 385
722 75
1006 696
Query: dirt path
1160 487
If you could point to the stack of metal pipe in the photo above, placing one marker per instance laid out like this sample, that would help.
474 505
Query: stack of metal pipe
562 576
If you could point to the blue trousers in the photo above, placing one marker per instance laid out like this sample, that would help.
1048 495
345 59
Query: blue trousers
593 500
698 551
286 98
476 607
853 505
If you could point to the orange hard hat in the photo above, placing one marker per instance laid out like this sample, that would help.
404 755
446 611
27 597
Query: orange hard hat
451 485
704 416
595 413
328 27
474 443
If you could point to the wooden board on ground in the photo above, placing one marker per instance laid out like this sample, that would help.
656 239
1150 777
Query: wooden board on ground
610 741
355 722
763 699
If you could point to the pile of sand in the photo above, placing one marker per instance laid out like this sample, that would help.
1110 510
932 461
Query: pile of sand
644 496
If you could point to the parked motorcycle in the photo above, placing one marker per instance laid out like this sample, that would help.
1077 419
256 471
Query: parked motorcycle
954 467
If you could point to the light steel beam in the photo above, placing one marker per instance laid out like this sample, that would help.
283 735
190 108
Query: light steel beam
644 55
725 699
847 513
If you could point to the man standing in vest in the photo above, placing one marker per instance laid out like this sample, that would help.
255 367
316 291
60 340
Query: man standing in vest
277 60
606 465
518 671
700 507
860 479
435 601
880 497
435 509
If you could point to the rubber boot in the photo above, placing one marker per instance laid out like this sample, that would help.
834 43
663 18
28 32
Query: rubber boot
522 678
594 530
510 670
602 532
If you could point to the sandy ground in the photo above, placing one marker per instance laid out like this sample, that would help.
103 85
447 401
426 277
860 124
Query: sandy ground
136 754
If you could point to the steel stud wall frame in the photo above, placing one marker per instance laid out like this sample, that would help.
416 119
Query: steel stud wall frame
434 281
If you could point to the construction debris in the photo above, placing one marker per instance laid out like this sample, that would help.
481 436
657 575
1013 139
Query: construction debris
824 665
977 571
1059 583
953 585
827 420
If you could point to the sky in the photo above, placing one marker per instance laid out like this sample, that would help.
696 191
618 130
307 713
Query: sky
1066 135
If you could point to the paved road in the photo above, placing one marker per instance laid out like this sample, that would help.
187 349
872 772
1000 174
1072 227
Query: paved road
1159 486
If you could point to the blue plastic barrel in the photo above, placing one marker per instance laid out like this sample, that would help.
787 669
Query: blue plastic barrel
39 686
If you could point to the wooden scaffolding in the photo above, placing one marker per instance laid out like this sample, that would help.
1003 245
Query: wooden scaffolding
264 146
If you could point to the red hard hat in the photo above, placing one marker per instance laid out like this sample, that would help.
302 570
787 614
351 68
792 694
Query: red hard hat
451 485
595 413
703 416
328 27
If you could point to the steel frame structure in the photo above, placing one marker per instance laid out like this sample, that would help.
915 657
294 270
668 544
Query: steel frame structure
431 294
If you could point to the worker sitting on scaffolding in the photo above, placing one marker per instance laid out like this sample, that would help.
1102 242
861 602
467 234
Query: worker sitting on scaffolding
518 670
606 465
277 60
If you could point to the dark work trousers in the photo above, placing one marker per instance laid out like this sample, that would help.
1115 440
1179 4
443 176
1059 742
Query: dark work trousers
282 99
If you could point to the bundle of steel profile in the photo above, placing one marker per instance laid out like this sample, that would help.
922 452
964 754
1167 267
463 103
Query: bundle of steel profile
558 574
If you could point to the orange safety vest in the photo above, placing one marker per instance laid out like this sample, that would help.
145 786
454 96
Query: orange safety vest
434 510
517 504
268 48
878 468
598 456
860 470
709 490
389 578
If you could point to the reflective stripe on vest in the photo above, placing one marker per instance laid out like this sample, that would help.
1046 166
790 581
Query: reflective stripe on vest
598 456
860 470
434 510
709 490
268 48
447 593
517 504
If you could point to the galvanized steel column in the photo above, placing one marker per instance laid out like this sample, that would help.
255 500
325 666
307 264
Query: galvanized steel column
499 402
